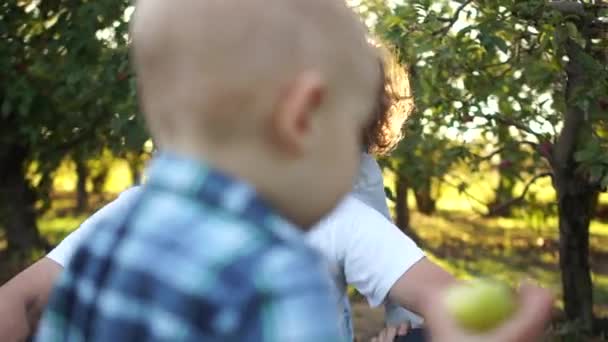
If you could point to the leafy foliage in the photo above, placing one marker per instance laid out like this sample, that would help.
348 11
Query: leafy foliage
66 78
485 66
515 85
65 83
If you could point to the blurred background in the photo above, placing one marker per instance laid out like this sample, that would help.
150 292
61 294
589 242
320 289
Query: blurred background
501 171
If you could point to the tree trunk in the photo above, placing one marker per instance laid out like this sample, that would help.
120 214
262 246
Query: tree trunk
425 202
17 212
99 180
135 166
402 210
503 194
575 196
82 196
576 203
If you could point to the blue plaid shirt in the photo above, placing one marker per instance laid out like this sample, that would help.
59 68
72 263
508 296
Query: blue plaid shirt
198 257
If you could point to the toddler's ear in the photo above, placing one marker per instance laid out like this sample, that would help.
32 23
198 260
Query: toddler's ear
293 123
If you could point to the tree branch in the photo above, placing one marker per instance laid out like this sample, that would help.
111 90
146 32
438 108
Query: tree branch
502 206
468 196
451 21
86 133
502 149
567 7
491 154
82 136
511 122
494 65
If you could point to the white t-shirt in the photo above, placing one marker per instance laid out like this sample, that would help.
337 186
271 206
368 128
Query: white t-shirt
362 246
365 250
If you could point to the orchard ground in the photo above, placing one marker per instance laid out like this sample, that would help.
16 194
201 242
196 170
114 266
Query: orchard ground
456 237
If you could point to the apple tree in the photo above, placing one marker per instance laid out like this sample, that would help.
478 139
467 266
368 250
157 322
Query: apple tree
530 80
65 87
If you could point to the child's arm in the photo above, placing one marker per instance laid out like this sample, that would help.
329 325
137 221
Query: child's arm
422 282
23 298
527 324
377 258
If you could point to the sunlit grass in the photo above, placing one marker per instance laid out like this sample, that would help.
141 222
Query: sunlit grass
599 228
481 248
55 229
600 293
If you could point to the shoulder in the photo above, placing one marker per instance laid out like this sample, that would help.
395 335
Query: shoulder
351 212
129 193
120 204
354 229
63 252
348 222
111 211
352 204
369 170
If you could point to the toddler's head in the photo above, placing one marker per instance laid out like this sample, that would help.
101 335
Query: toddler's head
275 92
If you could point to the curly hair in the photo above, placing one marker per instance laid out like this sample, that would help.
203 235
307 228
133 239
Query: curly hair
395 104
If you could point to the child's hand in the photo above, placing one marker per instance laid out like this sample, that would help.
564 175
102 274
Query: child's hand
388 334
527 323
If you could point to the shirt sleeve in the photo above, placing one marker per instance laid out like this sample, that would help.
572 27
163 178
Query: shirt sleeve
299 299
63 252
375 252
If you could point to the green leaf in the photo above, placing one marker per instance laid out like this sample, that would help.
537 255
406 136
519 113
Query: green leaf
462 187
589 153
604 182
6 107
596 172
572 30
500 44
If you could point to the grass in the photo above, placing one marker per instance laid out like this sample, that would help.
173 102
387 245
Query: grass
479 248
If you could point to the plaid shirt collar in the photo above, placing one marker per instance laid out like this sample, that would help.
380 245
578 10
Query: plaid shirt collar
216 189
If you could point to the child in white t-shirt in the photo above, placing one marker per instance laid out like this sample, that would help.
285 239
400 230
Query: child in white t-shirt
369 188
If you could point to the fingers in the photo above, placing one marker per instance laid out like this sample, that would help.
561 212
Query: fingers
387 334
436 317
529 322
403 329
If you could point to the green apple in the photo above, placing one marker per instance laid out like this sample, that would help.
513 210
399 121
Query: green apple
480 305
